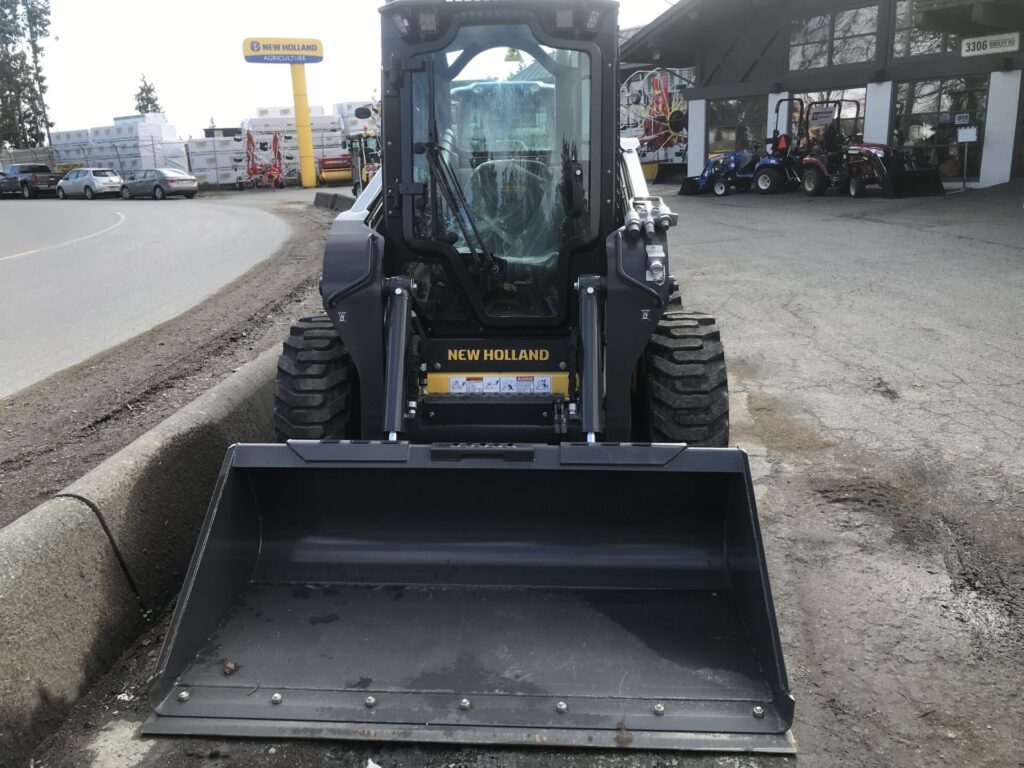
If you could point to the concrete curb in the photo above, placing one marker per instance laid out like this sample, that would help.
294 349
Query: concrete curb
66 611
324 199
78 572
335 201
152 496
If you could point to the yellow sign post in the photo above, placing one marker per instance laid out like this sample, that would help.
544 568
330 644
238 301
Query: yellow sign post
297 52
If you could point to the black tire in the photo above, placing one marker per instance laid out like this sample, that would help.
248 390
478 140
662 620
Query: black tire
316 393
158 193
27 193
687 386
721 187
357 189
814 182
61 194
125 194
88 193
858 186
189 195
768 181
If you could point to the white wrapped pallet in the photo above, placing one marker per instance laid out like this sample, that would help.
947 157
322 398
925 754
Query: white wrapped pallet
230 176
275 112
204 162
69 137
197 146
151 118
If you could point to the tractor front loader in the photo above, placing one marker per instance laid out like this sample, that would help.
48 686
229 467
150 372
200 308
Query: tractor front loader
503 510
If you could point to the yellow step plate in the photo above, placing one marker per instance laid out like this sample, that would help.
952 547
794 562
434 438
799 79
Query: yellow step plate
498 383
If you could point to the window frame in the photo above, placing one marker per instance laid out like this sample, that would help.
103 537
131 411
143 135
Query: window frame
830 41
950 46
977 151
739 109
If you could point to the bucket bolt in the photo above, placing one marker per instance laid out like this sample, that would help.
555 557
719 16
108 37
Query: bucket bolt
465 704
561 707
659 709
758 711
184 696
277 698
370 702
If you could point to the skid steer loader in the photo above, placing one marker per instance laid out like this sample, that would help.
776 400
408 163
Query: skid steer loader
503 511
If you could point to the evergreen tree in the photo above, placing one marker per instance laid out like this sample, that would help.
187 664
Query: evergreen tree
23 26
145 99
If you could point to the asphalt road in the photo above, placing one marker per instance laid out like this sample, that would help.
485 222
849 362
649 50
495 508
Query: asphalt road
77 277
876 351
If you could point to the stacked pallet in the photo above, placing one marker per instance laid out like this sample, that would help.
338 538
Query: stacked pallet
218 161
132 143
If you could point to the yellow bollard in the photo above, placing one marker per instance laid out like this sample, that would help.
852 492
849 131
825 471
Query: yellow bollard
307 167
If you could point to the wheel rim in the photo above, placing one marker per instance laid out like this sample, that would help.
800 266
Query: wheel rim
25 193
88 194
719 188
124 193
60 193
158 193
764 182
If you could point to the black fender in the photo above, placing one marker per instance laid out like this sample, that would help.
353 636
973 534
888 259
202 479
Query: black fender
353 297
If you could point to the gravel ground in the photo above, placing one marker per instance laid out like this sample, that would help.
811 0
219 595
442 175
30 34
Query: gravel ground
876 359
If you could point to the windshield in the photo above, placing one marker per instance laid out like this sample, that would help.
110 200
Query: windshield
103 172
174 172
501 130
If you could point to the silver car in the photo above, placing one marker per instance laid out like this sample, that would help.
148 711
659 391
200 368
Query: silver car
159 183
89 183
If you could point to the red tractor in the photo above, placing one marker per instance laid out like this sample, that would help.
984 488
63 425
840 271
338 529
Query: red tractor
835 160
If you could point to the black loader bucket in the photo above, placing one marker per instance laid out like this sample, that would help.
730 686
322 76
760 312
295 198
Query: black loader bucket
904 180
576 595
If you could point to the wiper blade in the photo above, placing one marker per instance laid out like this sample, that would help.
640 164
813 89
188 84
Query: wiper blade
452 191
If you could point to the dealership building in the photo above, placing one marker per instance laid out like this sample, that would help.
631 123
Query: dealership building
925 75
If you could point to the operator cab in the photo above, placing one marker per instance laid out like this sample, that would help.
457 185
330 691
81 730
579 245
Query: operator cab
500 149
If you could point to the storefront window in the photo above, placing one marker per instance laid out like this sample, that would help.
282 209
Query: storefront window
851 111
733 124
926 121
911 40
834 39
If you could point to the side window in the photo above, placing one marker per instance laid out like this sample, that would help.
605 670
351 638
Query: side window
833 39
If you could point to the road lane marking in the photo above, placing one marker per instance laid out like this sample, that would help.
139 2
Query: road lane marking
115 225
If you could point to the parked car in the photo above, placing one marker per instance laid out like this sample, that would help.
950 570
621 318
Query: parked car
89 183
27 179
159 183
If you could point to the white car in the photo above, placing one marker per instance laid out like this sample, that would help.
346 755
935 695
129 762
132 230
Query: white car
89 183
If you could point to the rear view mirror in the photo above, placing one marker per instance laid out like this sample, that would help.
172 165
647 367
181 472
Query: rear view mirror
363 113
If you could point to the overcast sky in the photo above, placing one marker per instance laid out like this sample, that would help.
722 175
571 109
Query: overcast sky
191 50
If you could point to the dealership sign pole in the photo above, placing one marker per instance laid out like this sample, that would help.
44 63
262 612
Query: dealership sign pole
298 52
